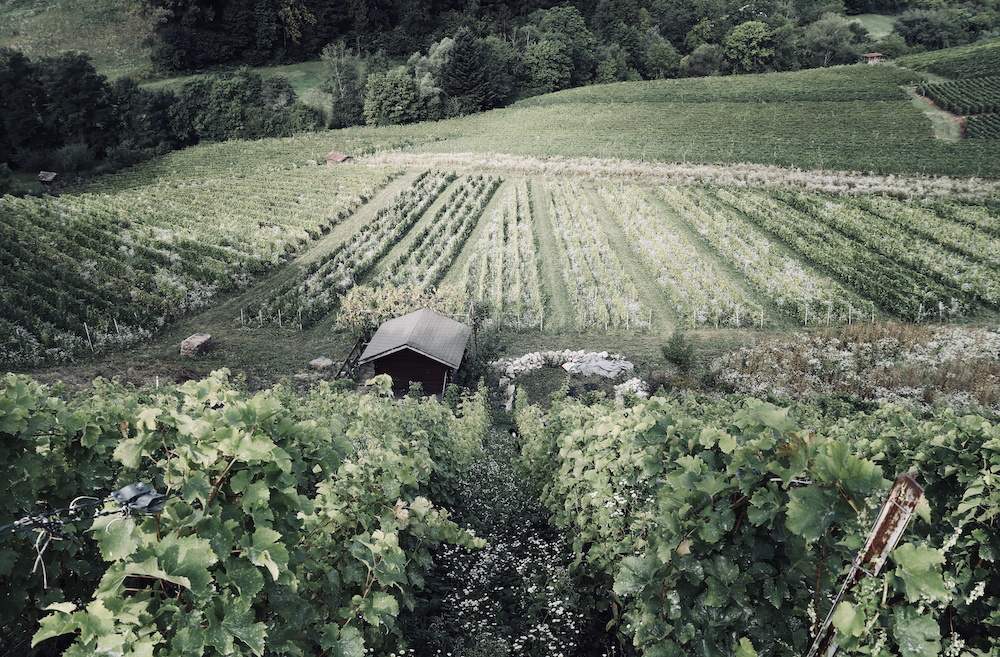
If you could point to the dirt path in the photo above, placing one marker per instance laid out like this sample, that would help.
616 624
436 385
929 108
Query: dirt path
946 126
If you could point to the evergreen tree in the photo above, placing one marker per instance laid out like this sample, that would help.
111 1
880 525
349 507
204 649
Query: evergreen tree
465 76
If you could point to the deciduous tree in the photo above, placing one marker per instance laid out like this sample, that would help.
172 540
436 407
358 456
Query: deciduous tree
748 47
392 98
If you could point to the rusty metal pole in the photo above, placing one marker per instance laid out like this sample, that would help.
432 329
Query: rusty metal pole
892 520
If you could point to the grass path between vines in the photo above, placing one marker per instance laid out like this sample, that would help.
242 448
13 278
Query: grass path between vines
456 273
515 596
652 297
559 311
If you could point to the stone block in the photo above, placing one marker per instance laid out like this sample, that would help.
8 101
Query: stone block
198 343
321 363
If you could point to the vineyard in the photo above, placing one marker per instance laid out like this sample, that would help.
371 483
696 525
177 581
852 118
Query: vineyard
92 271
807 221
966 96
972 61
355 524
983 127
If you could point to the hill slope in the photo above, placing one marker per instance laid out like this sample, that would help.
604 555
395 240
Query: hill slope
110 31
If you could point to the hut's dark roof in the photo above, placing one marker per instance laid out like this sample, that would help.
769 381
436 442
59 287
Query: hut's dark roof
432 335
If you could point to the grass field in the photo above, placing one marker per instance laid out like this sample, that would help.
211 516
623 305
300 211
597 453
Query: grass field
878 25
852 118
111 31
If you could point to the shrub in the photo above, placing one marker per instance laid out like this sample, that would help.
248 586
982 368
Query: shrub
74 158
5 178
679 351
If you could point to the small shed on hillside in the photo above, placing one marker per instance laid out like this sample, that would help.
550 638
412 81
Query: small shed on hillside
47 178
338 158
873 57
420 346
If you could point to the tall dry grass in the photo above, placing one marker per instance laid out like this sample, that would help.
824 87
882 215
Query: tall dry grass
921 365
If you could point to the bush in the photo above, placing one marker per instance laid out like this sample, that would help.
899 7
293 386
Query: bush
74 158
33 160
125 155
679 351
5 179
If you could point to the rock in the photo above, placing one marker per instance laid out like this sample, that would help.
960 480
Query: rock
198 343
321 363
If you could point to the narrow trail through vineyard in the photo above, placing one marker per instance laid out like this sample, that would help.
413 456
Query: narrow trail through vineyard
224 312
651 296
513 597
559 309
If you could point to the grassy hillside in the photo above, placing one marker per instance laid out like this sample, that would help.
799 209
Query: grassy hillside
852 118
111 31
971 61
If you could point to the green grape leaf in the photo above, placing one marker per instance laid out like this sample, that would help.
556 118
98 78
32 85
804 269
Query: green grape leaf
917 635
54 625
744 648
712 485
920 569
117 538
264 550
380 609
774 418
238 620
634 575
350 643
130 452
811 510
848 620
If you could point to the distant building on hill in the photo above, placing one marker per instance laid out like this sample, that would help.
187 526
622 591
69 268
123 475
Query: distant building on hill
420 346
337 158
873 57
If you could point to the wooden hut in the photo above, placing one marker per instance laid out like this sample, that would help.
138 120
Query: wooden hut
338 158
873 57
420 346
47 178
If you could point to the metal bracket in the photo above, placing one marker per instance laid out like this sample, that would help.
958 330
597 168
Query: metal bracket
140 497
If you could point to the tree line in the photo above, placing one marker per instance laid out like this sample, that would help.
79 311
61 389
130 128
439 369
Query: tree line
401 61
193 34
59 113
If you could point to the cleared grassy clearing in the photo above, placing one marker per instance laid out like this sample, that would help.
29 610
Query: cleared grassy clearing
110 31
880 137
878 25
549 265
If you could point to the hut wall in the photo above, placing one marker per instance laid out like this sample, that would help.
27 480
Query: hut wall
405 366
